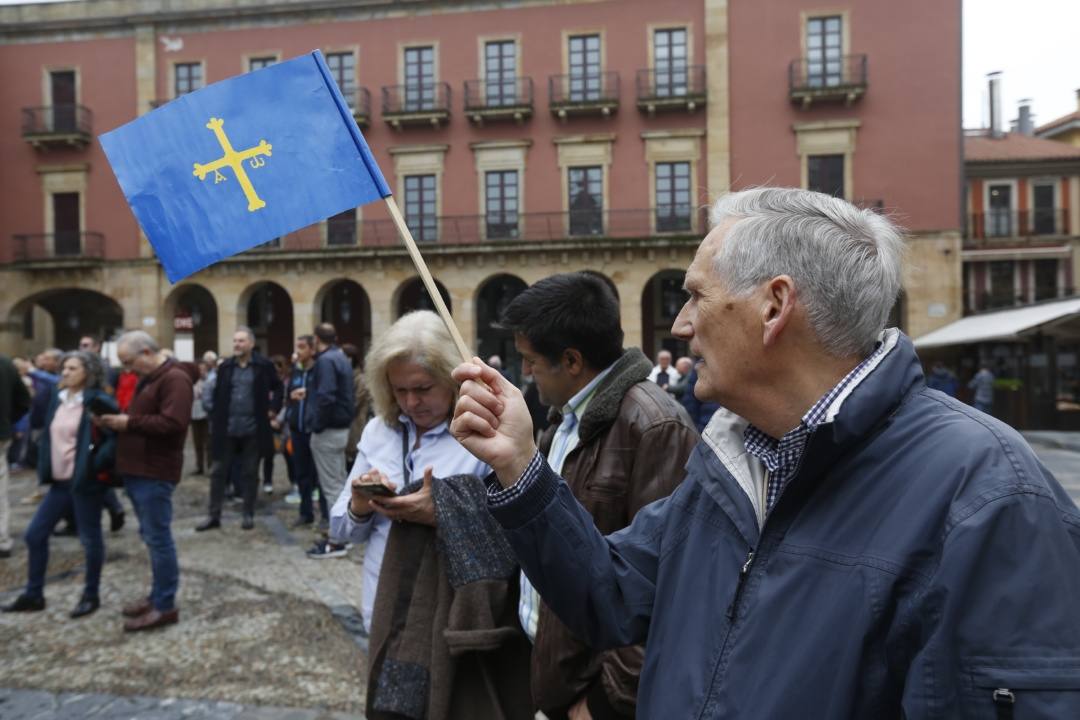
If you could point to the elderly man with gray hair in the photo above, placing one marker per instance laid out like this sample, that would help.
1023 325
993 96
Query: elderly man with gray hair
149 458
847 542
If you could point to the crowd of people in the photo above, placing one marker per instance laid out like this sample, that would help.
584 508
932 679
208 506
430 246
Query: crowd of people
795 523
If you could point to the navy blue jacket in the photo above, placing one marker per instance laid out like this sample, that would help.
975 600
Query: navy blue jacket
90 459
922 563
330 392
295 413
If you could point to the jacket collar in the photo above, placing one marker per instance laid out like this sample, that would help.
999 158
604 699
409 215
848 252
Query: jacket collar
855 414
631 368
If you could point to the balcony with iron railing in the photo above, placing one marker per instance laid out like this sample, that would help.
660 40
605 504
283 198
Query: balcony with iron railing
1011 228
500 228
60 248
57 126
416 104
676 88
506 99
575 94
359 101
841 79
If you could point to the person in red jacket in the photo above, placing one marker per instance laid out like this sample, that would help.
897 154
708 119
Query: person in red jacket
150 456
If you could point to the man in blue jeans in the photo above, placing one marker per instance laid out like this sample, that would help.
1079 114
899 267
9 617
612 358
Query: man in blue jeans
149 457
303 462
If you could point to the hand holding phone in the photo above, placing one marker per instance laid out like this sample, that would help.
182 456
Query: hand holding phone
371 484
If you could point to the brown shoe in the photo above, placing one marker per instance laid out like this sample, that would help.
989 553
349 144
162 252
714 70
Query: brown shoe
152 619
137 608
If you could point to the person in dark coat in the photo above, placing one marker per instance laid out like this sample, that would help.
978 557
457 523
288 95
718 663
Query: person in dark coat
701 411
848 543
73 455
14 404
247 395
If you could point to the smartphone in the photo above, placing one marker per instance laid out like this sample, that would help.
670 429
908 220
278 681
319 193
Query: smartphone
98 406
375 490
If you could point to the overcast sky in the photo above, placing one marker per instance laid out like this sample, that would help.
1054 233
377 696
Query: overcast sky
1035 43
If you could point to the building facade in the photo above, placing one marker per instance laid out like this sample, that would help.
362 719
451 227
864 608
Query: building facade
535 138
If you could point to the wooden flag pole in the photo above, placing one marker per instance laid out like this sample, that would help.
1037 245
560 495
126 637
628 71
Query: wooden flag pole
425 276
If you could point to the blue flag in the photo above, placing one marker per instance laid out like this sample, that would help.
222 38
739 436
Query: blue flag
241 162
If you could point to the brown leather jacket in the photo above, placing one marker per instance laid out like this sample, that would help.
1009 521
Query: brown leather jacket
634 443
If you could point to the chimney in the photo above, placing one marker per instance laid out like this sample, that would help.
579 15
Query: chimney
1025 121
996 128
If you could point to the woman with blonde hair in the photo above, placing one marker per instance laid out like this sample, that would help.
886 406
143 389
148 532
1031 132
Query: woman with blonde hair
434 559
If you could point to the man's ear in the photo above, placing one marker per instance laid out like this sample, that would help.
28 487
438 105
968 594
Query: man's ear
573 360
778 308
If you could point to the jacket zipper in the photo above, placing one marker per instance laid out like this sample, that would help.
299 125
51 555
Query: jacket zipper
1004 701
743 573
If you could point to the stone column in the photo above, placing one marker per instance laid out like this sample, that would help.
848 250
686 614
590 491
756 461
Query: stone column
718 119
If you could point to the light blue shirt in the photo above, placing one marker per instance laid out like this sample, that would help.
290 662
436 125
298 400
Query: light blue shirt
565 440
380 448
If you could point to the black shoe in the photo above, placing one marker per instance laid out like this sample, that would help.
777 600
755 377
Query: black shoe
5 553
67 530
249 523
208 524
26 603
197 471
301 522
116 521
86 606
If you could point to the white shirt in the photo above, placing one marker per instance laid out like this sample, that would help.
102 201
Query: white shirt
380 448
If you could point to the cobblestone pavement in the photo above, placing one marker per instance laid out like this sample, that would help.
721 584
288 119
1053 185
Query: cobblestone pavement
261 627
40 705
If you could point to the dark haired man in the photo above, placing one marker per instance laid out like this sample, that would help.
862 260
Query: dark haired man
620 442
328 413
303 463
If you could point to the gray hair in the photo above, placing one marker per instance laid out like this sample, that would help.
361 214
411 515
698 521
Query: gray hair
247 331
420 336
92 364
137 341
845 262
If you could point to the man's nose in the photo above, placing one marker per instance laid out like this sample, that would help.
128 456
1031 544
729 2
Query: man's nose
682 328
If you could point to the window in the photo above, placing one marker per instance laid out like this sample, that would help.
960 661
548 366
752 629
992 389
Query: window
1043 220
825 173
500 73
1046 279
420 207
341 228
501 198
343 68
258 63
999 216
584 64
62 91
824 48
669 58
66 230
672 196
586 196
187 77
1002 288
419 78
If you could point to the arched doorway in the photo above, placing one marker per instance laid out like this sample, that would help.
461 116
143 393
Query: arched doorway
494 295
898 314
194 316
58 318
414 296
345 305
268 310
661 302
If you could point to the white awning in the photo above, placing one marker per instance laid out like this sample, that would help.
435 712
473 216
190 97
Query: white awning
1002 326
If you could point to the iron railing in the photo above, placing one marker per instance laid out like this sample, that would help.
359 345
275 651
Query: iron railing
822 76
416 98
58 246
508 93
671 84
502 227
584 90
57 120
359 101
1001 224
